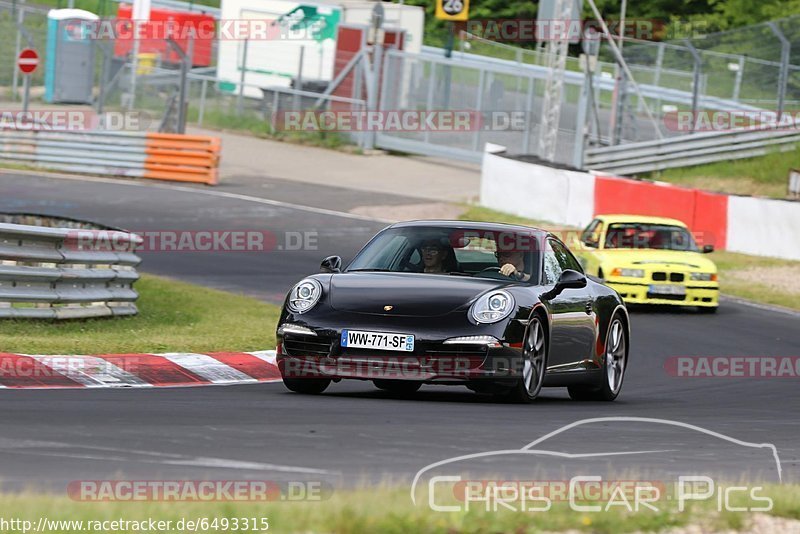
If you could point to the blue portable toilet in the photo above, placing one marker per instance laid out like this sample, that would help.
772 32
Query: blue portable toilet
69 58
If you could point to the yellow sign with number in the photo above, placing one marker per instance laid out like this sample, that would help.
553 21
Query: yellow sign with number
452 10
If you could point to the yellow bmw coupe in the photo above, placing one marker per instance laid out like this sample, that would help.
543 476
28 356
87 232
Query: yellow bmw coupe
649 260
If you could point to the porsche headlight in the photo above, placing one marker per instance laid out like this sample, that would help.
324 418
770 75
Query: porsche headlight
492 307
628 273
704 277
304 295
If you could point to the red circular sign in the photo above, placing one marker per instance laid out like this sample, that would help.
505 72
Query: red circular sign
28 60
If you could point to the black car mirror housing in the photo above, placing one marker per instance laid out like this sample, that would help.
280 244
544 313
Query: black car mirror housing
571 279
331 264
708 249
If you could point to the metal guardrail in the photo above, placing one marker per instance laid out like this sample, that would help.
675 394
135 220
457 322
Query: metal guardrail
576 78
176 157
689 150
64 273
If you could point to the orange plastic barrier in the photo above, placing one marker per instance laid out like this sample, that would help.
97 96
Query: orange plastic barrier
182 158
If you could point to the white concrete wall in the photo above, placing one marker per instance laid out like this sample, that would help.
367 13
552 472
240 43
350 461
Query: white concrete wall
757 226
536 191
764 227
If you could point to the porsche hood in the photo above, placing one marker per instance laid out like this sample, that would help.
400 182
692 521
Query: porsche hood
408 294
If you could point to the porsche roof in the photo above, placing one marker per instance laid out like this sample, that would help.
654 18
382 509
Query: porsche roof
470 225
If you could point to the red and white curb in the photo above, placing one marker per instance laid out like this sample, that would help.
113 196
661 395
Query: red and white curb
174 369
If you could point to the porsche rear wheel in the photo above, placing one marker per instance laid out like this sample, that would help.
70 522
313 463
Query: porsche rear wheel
534 364
307 386
400 387
614 365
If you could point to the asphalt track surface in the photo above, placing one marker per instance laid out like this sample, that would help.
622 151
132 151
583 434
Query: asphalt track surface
355 433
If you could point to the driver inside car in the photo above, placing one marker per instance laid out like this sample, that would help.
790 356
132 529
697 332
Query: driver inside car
512 264
437 256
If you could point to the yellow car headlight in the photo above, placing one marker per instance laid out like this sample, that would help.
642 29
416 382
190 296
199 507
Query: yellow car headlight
628 273
704 277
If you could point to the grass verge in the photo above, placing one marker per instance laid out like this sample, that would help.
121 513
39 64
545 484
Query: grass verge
765 280
766 176
257 126
173 316
479 213
384 509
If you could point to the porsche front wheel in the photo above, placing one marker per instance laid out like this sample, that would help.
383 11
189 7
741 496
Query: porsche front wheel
534 364
615 362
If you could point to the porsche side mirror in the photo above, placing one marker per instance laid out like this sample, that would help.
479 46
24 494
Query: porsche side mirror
331 264
708 249
571 280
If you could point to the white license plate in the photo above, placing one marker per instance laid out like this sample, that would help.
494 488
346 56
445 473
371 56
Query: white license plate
667 290
358 339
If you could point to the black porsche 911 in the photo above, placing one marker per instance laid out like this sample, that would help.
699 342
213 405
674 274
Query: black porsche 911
501 309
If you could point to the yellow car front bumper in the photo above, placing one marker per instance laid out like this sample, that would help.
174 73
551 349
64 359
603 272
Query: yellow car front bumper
706 296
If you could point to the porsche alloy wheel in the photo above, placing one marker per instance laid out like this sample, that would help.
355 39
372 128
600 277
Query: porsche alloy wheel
534 362
616 356
614 365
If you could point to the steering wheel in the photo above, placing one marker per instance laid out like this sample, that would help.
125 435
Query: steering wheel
407 266
496 270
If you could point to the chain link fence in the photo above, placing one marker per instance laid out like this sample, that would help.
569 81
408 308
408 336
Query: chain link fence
34 21
753 68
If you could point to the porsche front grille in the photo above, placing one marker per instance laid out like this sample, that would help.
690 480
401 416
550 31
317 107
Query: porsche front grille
295 345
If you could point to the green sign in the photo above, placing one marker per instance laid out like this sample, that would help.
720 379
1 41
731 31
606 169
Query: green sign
308 19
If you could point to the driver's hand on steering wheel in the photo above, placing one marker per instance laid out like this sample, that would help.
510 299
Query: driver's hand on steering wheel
508 270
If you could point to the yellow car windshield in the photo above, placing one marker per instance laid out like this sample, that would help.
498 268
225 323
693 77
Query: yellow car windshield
649 236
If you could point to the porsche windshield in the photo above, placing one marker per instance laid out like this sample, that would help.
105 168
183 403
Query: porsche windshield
496 254
649 236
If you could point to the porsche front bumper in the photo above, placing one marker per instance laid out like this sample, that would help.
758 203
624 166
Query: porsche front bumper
433 361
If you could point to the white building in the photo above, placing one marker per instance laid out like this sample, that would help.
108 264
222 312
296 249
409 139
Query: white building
308 25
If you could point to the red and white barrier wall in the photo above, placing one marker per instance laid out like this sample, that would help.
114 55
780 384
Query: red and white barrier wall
28 371
757 226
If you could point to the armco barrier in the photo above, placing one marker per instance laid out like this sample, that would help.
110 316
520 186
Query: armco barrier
60 273
758 226
175 157
688 150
